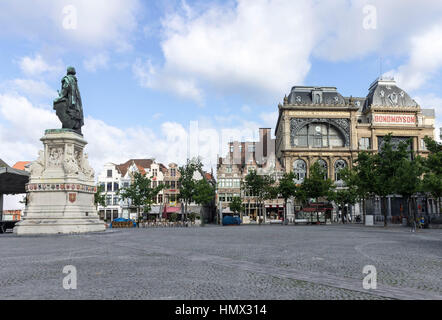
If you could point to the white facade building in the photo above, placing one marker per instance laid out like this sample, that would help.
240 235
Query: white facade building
114 177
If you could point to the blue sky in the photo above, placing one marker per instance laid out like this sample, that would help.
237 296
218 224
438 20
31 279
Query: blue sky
148 70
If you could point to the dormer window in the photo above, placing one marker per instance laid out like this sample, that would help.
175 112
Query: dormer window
317 96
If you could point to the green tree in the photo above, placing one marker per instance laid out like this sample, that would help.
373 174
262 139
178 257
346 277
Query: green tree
187 181
348 194
261 187
386 166
140 193
315 186
287 188
204 194
100 197
408 180
252 186
236 205
364 177
432 180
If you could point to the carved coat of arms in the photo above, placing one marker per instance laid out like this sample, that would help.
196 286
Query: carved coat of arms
72 197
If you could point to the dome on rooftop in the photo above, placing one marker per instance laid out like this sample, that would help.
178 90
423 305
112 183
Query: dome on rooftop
385 93
301 95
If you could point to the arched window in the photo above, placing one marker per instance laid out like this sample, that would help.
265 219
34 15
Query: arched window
319 135
324 167
300 170
339 165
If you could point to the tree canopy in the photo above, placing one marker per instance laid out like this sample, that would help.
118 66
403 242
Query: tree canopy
315 185
140 192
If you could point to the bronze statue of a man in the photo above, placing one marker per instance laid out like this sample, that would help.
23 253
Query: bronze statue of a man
68 105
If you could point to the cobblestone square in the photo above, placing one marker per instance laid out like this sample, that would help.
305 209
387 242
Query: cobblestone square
211 262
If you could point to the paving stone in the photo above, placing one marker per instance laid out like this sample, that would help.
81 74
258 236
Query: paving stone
245 262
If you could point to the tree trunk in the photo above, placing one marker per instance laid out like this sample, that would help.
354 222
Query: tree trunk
263 212
342 212
285 210
138 217
384 209
414 208
364 210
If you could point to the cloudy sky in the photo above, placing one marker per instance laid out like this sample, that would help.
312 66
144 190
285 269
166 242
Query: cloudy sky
166 79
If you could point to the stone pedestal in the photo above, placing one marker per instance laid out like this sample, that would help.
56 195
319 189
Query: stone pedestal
60 192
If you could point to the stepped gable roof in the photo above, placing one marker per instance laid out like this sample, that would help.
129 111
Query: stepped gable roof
163 168
305 95
140 163
384 92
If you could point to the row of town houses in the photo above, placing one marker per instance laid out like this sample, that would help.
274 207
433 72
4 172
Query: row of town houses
115 177
315 125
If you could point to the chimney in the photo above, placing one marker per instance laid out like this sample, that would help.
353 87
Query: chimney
264 134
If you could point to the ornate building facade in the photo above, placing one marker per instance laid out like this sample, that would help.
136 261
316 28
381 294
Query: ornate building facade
242 158
318 124
115 177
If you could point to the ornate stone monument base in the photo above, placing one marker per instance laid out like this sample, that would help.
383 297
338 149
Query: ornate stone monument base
61 188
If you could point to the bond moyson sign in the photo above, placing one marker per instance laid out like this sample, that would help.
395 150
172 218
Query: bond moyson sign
394 119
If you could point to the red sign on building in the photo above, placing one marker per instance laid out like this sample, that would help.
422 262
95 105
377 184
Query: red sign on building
394 119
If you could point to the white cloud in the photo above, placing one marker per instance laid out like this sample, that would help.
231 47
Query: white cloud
431 101
269 118
260 48
96 62
29 87
261 45
425 59
343 36
99 23
34 66
148 77
26 121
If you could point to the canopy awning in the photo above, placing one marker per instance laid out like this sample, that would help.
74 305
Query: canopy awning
12 181
171 209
